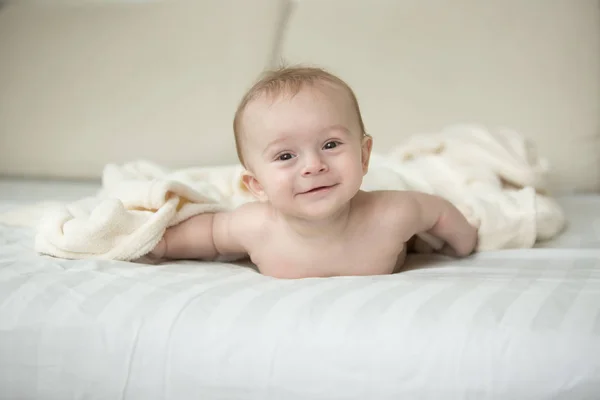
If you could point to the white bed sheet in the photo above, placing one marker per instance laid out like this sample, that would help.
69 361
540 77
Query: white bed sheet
510 324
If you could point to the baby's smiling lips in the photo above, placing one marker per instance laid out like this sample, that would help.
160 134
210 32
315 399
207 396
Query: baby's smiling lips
318 189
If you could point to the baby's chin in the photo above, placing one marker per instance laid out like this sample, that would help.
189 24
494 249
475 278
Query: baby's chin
316 213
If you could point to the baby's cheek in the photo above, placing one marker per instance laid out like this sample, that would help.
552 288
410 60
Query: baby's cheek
350 159
351 167
284 177
281 183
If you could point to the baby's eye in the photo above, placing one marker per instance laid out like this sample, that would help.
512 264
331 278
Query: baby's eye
331 145
285 157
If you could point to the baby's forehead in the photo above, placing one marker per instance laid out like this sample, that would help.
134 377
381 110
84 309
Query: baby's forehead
276 105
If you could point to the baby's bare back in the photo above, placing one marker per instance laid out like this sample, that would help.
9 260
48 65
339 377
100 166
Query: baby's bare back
366 246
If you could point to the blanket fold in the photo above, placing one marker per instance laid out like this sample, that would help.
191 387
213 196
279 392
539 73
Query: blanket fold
495 177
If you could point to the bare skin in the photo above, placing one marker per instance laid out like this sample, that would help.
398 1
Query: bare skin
306 156
370 239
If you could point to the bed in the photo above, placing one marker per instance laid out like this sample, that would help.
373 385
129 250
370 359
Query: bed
507 324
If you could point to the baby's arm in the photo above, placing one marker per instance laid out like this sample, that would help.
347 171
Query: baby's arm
437 216
209 235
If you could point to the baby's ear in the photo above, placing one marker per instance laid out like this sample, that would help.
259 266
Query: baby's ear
367 146
253 185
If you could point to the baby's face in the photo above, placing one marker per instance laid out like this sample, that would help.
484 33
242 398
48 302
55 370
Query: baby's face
306 153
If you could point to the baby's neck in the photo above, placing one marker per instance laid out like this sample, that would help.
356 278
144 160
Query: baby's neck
333 226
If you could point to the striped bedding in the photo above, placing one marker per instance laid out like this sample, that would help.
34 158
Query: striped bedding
513 324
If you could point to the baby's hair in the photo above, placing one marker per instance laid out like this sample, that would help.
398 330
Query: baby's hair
288 80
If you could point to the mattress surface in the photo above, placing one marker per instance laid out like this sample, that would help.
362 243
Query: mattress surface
506 324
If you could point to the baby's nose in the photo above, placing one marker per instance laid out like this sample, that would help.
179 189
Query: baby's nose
314 165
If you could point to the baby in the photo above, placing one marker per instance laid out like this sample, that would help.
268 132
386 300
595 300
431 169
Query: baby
301 139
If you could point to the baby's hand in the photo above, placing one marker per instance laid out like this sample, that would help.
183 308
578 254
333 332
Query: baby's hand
469 241
450 251
456 227
470 215
455 230
427 244
159 250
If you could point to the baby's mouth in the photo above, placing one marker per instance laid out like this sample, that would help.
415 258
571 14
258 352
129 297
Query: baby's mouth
319 189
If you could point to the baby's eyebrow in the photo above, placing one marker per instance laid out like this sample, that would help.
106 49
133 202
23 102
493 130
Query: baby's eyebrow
274 143
336 127
285 137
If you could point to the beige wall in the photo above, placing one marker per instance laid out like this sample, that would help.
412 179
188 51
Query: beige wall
417 66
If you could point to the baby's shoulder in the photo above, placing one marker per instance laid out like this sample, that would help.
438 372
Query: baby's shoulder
383 202
248 220
252 208
389 207
254 213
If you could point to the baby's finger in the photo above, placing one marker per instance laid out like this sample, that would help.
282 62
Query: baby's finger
421 246
448 250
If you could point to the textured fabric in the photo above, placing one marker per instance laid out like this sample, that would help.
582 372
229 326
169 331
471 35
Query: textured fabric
510 324
503 324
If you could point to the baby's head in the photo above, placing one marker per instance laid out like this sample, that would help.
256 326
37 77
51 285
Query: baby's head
300 135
